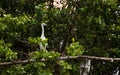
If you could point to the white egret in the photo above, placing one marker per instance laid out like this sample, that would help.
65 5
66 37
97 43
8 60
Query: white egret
43 36
85 67
116 72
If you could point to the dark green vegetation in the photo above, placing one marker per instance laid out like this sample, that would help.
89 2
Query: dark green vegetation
88 27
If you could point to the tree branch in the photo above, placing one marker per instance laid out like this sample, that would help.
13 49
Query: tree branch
61 58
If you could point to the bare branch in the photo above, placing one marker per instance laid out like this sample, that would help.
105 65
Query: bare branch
61 58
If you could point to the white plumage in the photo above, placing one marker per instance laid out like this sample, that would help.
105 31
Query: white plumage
42 36
85 67
116 72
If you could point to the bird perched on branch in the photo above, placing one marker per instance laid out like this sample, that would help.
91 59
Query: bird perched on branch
42 45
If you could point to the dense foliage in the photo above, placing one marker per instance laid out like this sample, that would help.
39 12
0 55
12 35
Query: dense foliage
88 27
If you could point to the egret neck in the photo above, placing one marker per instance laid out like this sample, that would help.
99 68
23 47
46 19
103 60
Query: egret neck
42 35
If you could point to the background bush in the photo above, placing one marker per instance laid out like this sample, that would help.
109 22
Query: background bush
95 26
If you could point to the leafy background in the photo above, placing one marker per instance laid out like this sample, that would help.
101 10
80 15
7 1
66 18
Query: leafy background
84 27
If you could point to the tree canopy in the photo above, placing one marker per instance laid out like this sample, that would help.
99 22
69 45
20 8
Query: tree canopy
77 27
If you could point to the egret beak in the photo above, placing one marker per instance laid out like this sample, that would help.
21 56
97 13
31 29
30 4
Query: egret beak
46 25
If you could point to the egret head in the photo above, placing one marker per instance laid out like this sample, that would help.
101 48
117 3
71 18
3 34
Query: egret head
43 24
